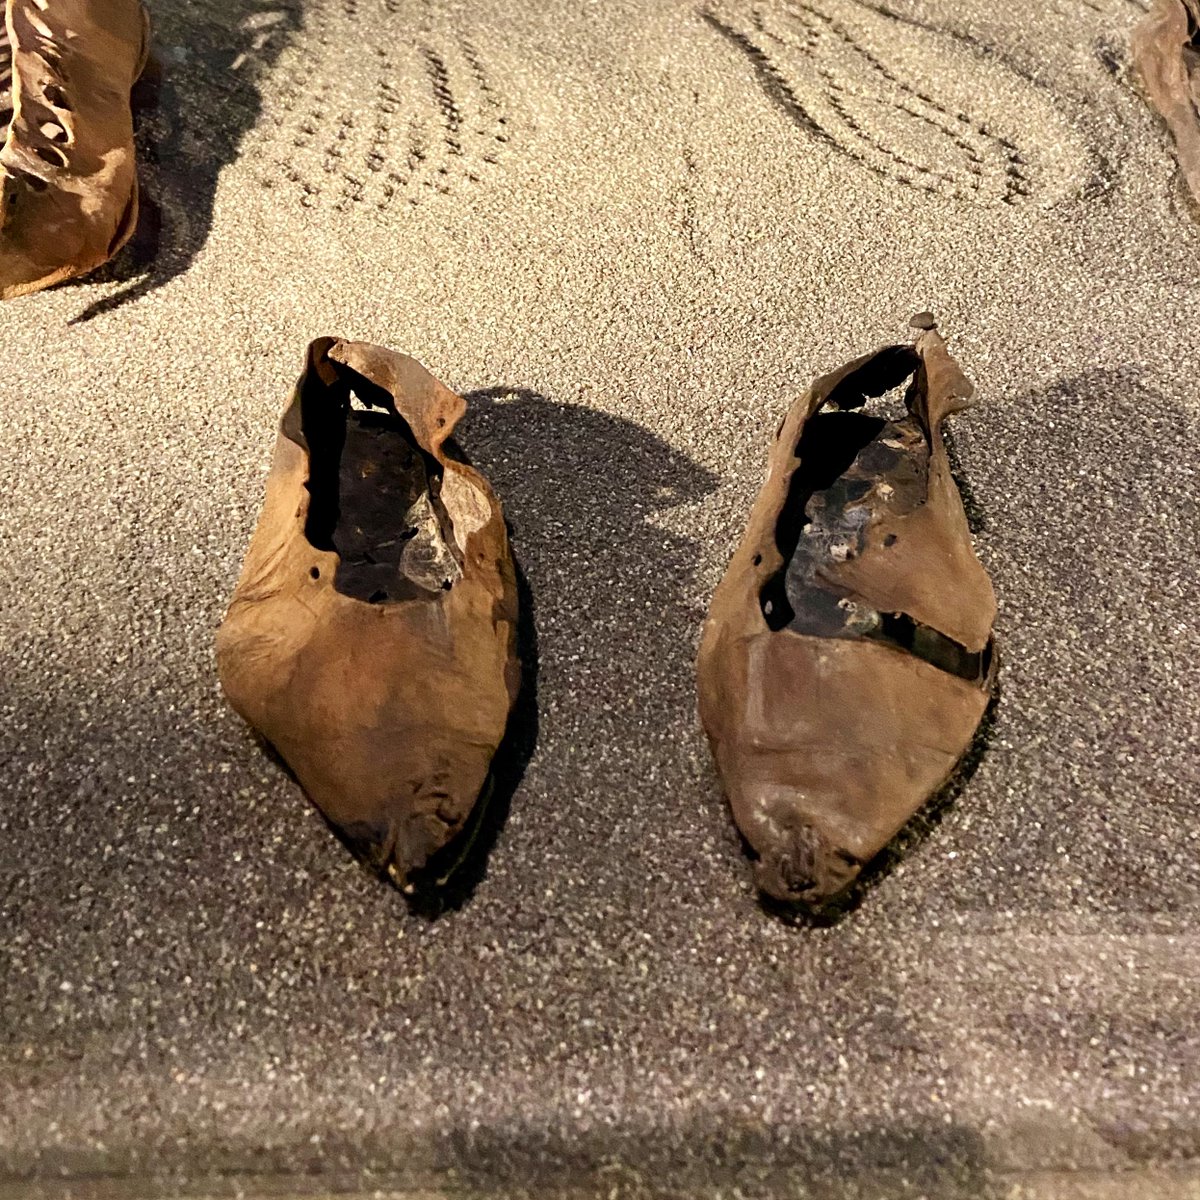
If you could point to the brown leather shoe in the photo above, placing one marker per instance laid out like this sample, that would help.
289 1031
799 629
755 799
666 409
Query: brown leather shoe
67 165
847 658
372 635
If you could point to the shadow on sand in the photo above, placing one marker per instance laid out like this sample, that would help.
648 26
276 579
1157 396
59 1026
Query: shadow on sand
578 487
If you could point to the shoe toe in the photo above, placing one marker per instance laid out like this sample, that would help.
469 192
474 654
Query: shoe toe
801 865
800 859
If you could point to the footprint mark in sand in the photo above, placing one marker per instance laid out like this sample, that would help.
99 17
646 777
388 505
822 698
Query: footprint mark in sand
414 112
846 72
1071 8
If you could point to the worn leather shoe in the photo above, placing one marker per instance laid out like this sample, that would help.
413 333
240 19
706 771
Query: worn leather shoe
847 658
372 635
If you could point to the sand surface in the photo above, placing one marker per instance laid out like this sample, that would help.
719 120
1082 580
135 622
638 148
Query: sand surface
630 233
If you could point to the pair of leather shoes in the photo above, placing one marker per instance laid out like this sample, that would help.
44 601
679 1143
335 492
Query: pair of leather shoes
845 664
68 183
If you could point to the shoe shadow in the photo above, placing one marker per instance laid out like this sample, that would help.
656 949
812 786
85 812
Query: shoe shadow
616 619
198 98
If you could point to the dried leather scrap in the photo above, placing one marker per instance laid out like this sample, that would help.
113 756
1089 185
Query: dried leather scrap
1166 52
847 656
67 166
372 635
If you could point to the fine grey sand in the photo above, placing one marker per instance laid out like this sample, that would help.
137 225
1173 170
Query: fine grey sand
630 233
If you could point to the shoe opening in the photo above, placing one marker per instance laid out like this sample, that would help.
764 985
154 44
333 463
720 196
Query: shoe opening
828 446
841 457
374 493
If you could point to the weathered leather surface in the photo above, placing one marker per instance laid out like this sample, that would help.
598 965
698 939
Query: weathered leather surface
388 710
67 169
833 721
1166 52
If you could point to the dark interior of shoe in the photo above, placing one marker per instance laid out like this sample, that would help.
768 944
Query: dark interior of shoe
828 446
796 596
374 495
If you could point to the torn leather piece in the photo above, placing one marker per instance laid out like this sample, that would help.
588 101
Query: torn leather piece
1166 53
371 638
847 658
67 172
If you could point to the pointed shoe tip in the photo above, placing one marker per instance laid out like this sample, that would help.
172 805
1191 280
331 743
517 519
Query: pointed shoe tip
400 850
805 868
